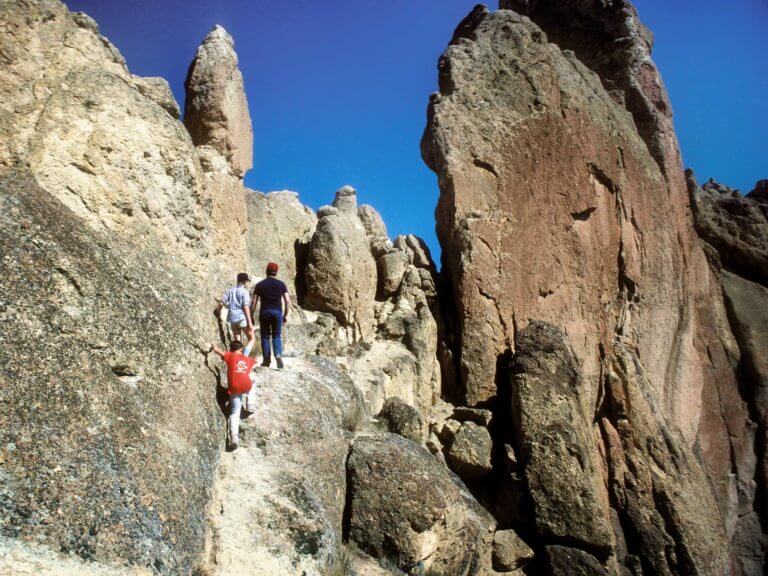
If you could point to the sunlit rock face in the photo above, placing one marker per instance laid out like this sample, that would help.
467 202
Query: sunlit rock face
610 377
111 439
563 201
216 112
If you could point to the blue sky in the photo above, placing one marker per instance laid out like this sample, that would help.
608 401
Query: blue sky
338 89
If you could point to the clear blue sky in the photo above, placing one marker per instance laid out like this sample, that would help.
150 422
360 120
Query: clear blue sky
338 89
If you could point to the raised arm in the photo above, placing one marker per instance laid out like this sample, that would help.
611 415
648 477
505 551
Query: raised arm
219 352
249 345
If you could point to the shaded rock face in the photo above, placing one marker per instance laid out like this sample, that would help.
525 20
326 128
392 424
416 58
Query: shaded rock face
470 452
563 561
734 232
406 506
735 225
216 112
554 440
563 199
510 551
402 419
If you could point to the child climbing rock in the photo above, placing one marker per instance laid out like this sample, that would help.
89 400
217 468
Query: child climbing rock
239 364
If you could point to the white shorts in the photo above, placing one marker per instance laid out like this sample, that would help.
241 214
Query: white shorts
242 324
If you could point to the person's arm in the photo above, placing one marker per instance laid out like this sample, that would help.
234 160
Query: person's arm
248 317
254 304
251 342
218 351
287 305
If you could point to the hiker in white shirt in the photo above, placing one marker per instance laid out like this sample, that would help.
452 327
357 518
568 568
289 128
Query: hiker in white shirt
238 301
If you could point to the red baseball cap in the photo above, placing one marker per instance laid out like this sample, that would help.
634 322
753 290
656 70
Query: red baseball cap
271 267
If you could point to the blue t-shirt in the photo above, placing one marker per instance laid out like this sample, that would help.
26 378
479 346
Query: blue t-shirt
270 291
236 299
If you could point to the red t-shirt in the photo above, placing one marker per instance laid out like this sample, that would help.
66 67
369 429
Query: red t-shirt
238 368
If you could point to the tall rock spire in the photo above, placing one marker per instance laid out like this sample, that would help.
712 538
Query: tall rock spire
216 111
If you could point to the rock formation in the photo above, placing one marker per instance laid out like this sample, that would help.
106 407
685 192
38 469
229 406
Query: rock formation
216 112
406 506
563 200
607 363
383 297
341 272
280 228
130 227
106 214
735 226
734 232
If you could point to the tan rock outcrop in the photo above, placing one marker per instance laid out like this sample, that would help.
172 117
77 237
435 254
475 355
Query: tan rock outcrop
216 111
114 209
279 230
341 272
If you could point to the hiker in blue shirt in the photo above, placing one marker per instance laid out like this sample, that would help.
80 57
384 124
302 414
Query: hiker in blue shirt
273 294
236 299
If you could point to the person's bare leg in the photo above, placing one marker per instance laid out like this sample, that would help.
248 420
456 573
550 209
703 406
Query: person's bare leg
236 331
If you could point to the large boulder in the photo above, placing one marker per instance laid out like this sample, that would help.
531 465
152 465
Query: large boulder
554 439
216 109
470 452
402 419
510 551
341 272
405 506
565 561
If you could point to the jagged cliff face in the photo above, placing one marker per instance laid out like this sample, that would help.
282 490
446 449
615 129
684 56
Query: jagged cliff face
563 200
734 233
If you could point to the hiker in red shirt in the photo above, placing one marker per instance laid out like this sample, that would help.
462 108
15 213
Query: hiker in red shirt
239 364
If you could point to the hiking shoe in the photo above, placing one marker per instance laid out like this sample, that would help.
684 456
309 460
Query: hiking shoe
234 442
279 360
265 363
